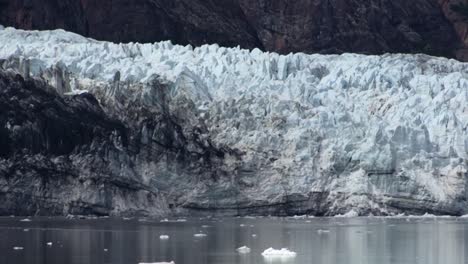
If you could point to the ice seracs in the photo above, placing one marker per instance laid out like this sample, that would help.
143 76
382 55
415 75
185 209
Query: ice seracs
364 131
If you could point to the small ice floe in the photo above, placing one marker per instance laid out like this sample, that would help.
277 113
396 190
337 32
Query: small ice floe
323 231
251 225
26 230
163 237
25 220
105 250
243 250
272 253
49 244
127 218
464 216
18 248
181 220
254 235
172 262
205 226
164 220
200 235
242 225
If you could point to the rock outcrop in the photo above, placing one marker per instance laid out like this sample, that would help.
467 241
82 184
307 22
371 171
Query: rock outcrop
163 129
311 26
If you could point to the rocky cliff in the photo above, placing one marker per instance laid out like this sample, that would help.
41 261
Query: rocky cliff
311 26
158 129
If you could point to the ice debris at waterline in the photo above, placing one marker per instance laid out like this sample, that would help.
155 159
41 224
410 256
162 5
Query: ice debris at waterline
243 250
172 262
278 253
323 231
380 134
350 214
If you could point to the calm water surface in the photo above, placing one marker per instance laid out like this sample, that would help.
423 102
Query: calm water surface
350 241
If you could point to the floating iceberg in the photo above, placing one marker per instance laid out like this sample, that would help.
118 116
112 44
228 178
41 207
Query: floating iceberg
278 253
172 262
243 250
323 231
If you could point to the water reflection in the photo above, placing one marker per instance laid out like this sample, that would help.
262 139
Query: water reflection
318 240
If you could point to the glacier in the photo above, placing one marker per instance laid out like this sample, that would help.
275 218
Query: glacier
286 134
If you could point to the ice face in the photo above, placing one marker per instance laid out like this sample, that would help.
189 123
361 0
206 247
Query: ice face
362 130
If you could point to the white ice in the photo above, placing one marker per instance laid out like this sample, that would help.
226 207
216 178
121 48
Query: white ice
243 250
278 253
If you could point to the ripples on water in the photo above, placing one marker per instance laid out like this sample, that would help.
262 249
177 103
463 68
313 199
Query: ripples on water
316 240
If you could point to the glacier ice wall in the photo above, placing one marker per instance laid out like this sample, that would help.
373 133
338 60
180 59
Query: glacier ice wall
317 134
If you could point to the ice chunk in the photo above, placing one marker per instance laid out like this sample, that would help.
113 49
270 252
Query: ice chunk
18 248
25 220
323 231
278 253
49 244
254 235
163 237
200 235
464 216
243 250
172 262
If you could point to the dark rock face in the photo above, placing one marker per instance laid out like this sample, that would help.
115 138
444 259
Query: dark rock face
66 154
363 26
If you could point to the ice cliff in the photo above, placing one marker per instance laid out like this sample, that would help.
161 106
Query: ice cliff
213 130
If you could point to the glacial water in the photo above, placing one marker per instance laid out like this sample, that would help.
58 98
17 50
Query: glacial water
315 240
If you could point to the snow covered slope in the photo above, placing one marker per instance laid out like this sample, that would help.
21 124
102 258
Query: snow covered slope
313 133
